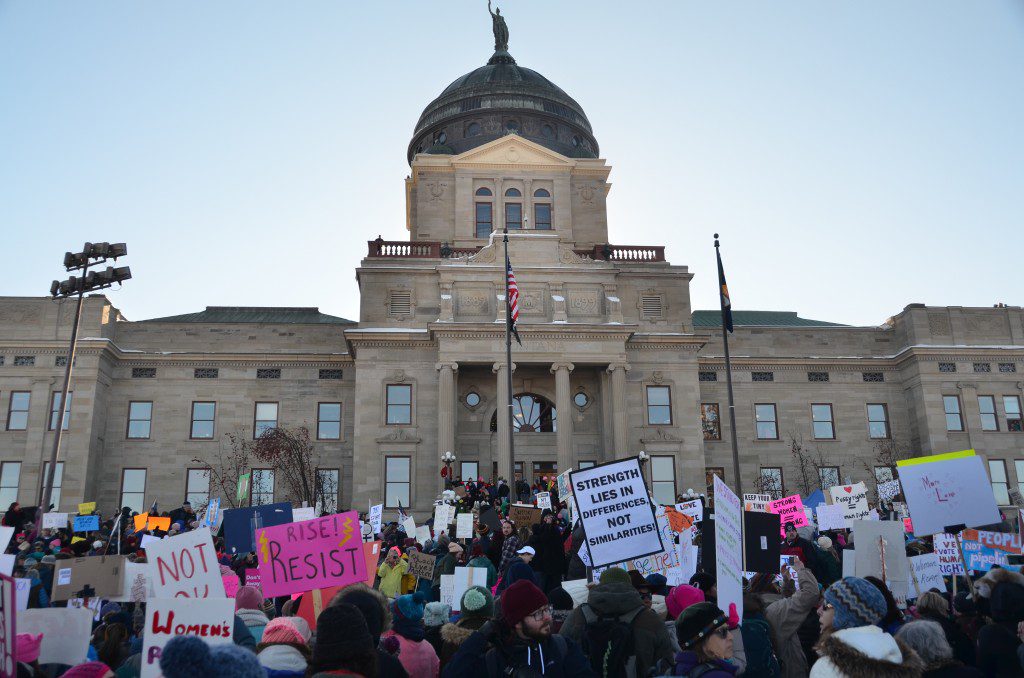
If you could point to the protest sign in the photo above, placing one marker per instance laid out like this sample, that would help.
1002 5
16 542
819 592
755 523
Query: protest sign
376 518
66 632
86 508
665 563
140 521
211 620
409 525
982 549
8 619
853 499
86 524
212 516
242 490
693 508
688 552
22 586
240 524
908 526
312 603
761 542
728 546
947 489
830 517
544 500
676 520
443 514
926 575
421 565
491 519
790 510
371 554
873 538
231 584
252 577
309 555
303 513
93 577
148 540
5 539
888 490
616 511
454 585
563 485
524 514
949 557
422 534
756 502
850 563
137 585
185 566
55 521
464 526
158 523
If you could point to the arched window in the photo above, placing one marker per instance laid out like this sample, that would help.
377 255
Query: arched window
513 210
483 191
513 193
541 193
484 212
542 210
531 413
472 129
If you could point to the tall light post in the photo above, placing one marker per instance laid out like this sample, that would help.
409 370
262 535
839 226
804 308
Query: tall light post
643 464
92 254
448 458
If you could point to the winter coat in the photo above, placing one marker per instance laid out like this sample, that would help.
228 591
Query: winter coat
739 653
485 563
454 635
651 641
784 617
547 541
388 665
998 641
508 553
433 636
391 577
240 633
255 621
757 645
865 652
282 661
684 663
963 647
830 569
803 548
951 669
417 656
544 658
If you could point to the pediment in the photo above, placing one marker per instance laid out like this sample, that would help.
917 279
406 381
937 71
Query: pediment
512 150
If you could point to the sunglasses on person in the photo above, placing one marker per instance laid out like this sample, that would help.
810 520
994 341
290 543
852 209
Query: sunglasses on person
543 612
721 632
825 607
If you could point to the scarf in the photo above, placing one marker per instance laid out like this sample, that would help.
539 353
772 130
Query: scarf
408 629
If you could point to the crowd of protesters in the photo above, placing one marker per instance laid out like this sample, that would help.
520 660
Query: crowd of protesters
806 621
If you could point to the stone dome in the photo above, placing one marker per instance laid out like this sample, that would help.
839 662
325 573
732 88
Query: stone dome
503 98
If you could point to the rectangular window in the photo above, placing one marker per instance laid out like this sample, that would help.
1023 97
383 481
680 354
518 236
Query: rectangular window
663 479
133 488
484 220
327 480
268 373
330 374
140 420
1011 405
884 474
17 411
762 376
829 476
514 215
24 360
987 406
542 216
997 472
328 421
951 404
197 487
262 487
1018 466
58 482
203 415
878 421
770 481
143 372
710 422
55 407
767 423
659 405
469 470
264 418
10 476
396 481
587 464
399 404
822 422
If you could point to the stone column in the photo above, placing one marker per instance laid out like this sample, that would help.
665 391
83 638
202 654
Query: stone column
504 453
446 407
620 439
563 407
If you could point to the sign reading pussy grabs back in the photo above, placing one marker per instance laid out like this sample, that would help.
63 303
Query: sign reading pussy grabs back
312 554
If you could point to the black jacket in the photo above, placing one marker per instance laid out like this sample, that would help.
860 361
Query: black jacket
471 661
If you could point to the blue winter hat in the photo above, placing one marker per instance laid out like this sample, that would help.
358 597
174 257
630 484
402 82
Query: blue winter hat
190 657
409 606
234 661
857 602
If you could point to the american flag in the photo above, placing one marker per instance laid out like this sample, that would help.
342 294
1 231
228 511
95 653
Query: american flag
513 300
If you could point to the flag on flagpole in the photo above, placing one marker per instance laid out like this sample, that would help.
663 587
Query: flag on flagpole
724 291
513 300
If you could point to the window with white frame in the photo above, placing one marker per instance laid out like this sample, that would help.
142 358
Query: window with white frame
10 477
587 464
663 479
264 418
203 416
140 420
397 484
469 470
997 472
262 487
328 421
987 407
770 481
197 487
829 476
822 422
954 420
659 405
133 488
878 421
17 411
327 480
399 404
767 421
1011 405
58 482
55 408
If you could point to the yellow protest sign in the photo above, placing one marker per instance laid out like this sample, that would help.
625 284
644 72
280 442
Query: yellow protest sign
75 540
86 508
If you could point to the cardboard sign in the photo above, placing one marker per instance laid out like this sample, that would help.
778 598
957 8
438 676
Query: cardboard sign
55 521
231 584
761 542
303 513
544 500
982 550
866 535
409 524
86 508
137 585
212 620
98 576
947 489
757 502
728 546
66 633
185 566
617 512
313 554
947 553
240 524
158 523
927 573
421 565
86 524
790 510
453 586
524 514
886 491
8 619
853 499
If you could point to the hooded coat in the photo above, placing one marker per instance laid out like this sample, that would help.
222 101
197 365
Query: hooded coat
998 642
865 652
784 617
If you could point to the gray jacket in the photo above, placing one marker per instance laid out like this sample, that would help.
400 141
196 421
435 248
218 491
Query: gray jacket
784 617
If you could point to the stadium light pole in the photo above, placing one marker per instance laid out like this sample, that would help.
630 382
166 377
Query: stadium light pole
92 254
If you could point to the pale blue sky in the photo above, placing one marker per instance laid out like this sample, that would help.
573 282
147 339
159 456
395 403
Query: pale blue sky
855 156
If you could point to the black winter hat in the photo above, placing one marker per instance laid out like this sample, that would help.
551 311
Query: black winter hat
341 632
370 607
696 622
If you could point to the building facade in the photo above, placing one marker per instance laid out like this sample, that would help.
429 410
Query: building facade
613 359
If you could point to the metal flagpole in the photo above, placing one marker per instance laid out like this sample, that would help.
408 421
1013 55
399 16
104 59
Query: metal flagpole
508 373
722 300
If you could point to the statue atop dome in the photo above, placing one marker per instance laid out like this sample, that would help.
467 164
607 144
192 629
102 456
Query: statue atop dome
500 29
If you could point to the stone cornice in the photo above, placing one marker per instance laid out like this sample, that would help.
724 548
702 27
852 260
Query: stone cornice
140 358
653 341
529 331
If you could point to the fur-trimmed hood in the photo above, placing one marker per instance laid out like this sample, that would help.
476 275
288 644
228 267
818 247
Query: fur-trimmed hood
456 634
995 576
865 652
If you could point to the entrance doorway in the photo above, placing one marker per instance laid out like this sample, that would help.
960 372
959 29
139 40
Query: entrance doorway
543 469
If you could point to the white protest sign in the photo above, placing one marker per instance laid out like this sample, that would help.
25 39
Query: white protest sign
7 563
55 521
563 485
616 511
866 535
757 502
185 566
442 517
303 513
454 585
887 491
853 499
830 517
66 633
544 500
422 534
376 518
410 526
138 584
688 552
693 508
928 573
728 547
212 620
464 526
947 489
850 563
947 553
22 586
148 540
5 539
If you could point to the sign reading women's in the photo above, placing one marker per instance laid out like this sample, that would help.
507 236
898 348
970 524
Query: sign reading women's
616 511
313 554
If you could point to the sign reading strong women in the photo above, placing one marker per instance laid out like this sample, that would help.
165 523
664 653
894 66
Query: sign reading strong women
312 554
617 512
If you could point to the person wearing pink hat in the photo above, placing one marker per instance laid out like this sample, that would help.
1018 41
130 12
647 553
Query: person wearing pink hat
89 670
249 608
26 651
283 652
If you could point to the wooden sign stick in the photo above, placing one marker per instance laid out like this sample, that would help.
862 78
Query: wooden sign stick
881 553
963 561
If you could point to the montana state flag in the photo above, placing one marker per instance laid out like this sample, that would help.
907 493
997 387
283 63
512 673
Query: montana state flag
724 292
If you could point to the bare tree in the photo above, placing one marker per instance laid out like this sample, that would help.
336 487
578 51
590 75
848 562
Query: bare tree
226 466
809 464
887 453
296 463
765 483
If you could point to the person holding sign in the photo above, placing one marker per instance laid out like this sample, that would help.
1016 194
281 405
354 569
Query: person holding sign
795 545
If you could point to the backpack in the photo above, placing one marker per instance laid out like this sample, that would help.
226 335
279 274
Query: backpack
608 643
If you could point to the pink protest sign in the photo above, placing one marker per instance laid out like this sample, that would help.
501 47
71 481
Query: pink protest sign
230 585
790 510
252 578
311 554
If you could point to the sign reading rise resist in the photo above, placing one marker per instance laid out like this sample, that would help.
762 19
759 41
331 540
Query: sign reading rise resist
313 554
616 511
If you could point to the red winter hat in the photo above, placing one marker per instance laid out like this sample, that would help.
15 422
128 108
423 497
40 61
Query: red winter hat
521 599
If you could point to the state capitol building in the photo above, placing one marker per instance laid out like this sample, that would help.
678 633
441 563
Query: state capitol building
614 358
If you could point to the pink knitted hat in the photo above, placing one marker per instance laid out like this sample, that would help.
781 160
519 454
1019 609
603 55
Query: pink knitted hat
26 647
282 630
682 597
